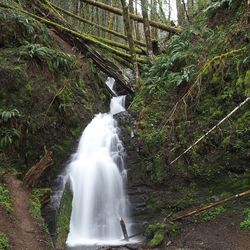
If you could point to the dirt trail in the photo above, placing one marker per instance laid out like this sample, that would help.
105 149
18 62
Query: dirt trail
21 228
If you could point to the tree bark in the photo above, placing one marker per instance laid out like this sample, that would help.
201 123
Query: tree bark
124 229
32 176
153 16
180 12
132 16
96 25
111 22
147 31
129 32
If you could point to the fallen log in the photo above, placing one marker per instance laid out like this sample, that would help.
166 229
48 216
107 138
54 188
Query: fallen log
96 25
118 45
124 229
78 34
137 18
210 130
199 210
135 235
31 178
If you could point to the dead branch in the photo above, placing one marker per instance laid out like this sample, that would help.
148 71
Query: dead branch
199 210
34 173
210 130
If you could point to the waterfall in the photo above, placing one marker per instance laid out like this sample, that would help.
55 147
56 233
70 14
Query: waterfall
98 177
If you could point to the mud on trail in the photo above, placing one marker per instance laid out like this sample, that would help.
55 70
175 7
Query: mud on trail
22 230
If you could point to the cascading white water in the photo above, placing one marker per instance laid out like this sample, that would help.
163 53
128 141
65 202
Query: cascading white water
97 177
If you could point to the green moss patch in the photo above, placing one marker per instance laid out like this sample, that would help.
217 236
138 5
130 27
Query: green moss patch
5 199
4 242
63 221
212 214
245 224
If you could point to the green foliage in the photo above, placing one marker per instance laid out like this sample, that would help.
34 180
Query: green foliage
4 242
57 61
64 217
5 199
155 232
6 115
172 229
36 204
17 29
155 204
245 224
170 69
212 214
158 239
9 130
246 83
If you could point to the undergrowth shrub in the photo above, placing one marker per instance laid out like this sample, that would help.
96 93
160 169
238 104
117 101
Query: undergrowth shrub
212 214
56 60
17 29
245 224
10 130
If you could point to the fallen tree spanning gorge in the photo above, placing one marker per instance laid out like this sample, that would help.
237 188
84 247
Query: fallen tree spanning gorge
137 18
96 25
87 38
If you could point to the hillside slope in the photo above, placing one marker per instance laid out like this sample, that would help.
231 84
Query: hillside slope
200 78
49 93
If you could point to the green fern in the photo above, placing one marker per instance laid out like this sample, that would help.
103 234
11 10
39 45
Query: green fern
56 60
6 115
8 132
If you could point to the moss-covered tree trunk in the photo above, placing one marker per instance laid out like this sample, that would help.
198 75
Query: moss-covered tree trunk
129 31
137 18
147 31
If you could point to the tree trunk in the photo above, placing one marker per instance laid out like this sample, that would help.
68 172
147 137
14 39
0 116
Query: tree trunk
137 25
153 16
32 176
129 33
96 25
111 22
132 16
180 12
147 31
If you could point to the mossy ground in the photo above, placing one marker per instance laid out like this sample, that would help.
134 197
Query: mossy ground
5 199
4 242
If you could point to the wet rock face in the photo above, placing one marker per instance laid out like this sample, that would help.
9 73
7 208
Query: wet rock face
137 190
